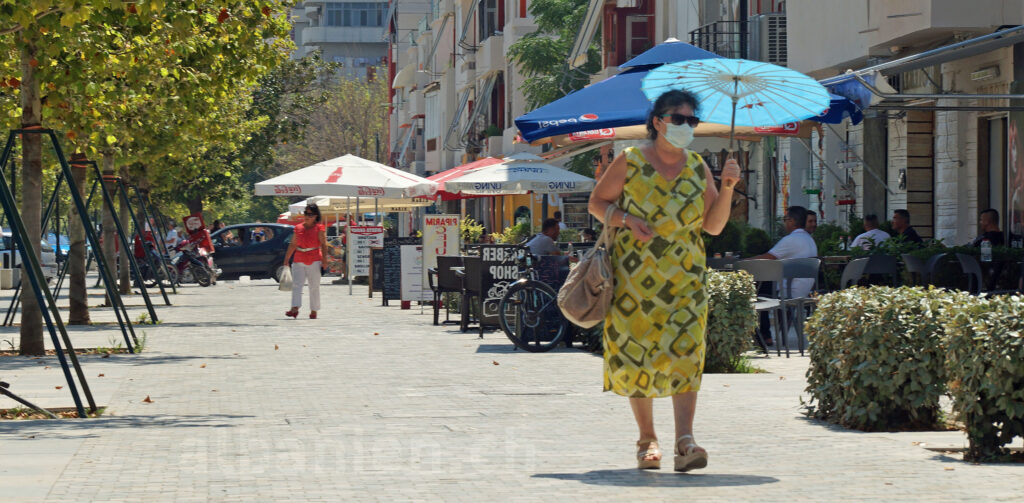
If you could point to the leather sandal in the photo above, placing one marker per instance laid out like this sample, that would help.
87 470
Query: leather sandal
312 315
651 450
294 313
691 456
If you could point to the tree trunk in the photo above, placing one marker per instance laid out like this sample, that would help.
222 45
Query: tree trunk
125 279
195 205
76 255
31 197
109 228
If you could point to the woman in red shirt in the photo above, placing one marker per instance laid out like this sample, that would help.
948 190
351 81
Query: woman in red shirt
309 247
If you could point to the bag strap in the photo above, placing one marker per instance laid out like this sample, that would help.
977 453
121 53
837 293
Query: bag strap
607 234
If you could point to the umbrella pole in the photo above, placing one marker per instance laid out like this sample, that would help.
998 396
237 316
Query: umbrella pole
348 242
732 121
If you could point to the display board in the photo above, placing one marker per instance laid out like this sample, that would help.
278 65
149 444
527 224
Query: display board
413 287
440 237
391 265
499 271
361 238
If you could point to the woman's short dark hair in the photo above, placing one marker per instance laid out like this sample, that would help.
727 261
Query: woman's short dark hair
315 209
668 101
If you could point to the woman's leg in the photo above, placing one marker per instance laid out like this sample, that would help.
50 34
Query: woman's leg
684 406
643 411
313 273
298 278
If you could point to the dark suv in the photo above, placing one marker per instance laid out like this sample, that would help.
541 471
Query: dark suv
256 250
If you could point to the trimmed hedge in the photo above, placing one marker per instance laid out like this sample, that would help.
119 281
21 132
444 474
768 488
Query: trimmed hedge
986 371
731 321
878 357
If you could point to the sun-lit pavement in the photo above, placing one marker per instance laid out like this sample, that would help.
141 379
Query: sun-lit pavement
373 403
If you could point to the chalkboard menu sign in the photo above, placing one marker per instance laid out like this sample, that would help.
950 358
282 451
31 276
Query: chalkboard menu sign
376 270
499 270
391 264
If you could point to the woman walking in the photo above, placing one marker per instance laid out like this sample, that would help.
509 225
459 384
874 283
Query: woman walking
664 196
309 247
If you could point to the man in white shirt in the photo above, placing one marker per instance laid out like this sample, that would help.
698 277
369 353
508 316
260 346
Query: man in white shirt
171 239
544 243
872 236
796 244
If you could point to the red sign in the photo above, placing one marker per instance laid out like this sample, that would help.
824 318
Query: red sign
371 191
442 220
334 176
788 129
367 230
287 189
197 233
593 134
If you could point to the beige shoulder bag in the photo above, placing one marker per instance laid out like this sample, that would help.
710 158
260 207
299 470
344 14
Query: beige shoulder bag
587 293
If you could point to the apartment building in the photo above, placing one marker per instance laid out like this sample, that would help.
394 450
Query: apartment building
348 33
454 94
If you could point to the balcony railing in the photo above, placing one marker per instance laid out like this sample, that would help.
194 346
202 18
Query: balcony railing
729 39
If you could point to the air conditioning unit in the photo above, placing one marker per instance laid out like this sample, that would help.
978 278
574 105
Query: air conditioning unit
768 39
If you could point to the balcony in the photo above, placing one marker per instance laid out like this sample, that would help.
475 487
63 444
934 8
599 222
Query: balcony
319 35
729 39
491 56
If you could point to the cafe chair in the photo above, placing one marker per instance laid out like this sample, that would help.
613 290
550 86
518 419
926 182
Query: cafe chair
800 268
884 265
471 279
917 269
768 271
975 278
852 273
442 280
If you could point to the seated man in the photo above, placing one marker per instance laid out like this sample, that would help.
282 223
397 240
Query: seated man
812 222
872 235
989 221
901 225
544 243
796 244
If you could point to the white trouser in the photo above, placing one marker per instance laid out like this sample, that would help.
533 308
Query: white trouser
300 272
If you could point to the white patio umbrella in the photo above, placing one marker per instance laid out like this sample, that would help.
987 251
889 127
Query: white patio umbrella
521 173
349 176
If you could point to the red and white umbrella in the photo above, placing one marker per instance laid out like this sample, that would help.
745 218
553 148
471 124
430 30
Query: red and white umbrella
350 176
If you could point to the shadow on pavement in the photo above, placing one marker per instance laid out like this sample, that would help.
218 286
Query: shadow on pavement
66 426
510 348
631 477
14 363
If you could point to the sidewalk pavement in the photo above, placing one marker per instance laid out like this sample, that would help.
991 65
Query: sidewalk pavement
372 403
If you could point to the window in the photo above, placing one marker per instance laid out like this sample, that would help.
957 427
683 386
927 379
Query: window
431 119
354 14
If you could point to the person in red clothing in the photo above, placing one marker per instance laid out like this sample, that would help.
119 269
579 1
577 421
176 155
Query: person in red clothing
309 247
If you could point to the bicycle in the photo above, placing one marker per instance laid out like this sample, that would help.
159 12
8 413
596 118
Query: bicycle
528 313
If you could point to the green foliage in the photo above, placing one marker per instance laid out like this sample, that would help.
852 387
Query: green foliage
986 372
470 230
877 356
541 55
569 236
515 234
739 237
731 321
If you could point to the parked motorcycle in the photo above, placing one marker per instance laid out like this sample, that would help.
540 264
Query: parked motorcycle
161 274
193 264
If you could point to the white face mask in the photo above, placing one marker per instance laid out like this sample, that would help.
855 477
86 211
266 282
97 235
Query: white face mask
679 136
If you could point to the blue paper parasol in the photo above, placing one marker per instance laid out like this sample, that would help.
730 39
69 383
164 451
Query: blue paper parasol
739 92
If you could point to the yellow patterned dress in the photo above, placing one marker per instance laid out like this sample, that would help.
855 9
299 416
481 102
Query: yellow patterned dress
654 332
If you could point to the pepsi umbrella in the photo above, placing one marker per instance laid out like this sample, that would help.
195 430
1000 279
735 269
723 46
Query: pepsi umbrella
618 100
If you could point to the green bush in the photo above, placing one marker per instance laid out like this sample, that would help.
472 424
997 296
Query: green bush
731 320
729 240
755 242
513 235
470 230
986 372
569 236
877 357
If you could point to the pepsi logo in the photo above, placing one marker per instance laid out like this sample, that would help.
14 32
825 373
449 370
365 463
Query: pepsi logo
588 117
